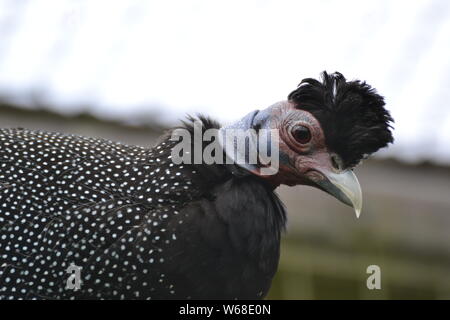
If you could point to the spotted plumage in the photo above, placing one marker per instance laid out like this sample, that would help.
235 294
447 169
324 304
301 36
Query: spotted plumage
140 226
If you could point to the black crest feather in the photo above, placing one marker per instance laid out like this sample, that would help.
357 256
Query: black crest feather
351 113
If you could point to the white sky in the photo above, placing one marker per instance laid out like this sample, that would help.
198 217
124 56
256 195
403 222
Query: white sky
225 58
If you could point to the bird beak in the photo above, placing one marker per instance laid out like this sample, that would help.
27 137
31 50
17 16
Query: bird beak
344 186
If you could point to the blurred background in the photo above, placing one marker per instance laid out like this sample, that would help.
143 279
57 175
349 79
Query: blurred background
126 70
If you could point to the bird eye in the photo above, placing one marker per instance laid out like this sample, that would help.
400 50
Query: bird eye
301 134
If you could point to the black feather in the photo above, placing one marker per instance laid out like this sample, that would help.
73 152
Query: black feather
351 113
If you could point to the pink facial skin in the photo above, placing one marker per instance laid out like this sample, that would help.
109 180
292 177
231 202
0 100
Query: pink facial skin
300 163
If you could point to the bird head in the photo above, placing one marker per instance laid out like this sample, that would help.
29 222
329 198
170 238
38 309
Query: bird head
324 129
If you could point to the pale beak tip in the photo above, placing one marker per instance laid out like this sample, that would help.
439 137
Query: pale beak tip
345 187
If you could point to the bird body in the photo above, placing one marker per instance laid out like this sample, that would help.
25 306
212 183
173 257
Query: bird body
139 226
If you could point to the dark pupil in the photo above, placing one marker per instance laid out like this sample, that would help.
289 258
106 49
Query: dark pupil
302 134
